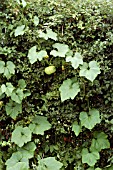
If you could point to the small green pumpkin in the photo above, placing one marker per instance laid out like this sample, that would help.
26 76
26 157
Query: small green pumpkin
50 70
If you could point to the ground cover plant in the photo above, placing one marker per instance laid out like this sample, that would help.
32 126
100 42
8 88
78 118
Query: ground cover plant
56 85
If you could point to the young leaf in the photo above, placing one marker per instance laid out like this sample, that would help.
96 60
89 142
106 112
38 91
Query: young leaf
69 89
89 158
7 89
22 84
21 135
100 142
41 54
17 162
17 95
62 49
89 121
76 128
36 20
32 55
2 65
13 109
49 163
90 73
27 151
76 60
19 30
39 125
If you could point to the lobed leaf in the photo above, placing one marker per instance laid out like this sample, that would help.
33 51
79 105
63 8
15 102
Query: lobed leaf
90 73
89 158
39 125
76 60
69 89
21 135
49 163
61 51
13 109
89 121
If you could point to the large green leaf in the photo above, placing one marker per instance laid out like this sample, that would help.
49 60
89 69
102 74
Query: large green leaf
7 70
90 73
76 60
21 135
7 89
49 34
27 151
76 128
19 30
13 109
89 121
99 142
17 162
62 49
52 35
32 55
39 125
49 163
17 95
41 54
69 89
89 158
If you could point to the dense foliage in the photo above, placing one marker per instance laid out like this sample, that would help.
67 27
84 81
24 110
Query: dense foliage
56 87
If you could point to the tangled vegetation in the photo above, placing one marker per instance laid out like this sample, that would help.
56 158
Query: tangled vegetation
56 85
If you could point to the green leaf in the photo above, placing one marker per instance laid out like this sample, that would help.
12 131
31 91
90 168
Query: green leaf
76 128
24 3
21 135
13 109
100 142
17 162
62 49
32 55
19 30
49 34
89 158
69 89
9 69
49 163
17 95
39 125
22 84
90 73
41 54
27 151
52 35
91 168
7 89
36 20
2 65
76 60
89 121
43 35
